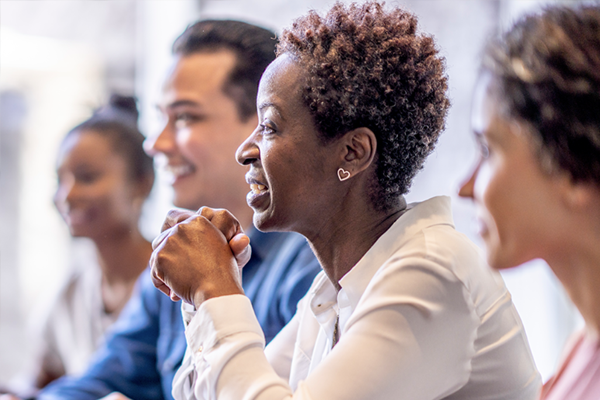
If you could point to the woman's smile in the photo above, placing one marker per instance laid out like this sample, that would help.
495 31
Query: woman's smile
286 157
259 196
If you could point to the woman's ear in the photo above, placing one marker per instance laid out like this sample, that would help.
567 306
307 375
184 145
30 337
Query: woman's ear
358 151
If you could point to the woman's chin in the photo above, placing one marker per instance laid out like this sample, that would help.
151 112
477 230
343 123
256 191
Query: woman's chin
264 221
261 222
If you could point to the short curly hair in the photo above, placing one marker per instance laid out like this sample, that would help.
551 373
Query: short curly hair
367 67
546 71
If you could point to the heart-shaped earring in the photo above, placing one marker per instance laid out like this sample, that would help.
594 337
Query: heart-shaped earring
343 174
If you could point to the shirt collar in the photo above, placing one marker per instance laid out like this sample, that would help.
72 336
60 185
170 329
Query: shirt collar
417 217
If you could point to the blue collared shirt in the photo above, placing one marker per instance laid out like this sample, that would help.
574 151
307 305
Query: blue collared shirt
146 345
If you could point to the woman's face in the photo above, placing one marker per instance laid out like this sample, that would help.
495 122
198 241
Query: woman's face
291 170
515 199
95 194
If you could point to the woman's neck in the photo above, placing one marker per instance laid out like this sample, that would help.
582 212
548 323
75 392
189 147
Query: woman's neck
580 275
123 256
345 238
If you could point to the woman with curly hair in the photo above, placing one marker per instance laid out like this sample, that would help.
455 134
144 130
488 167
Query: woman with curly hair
537 183
405 306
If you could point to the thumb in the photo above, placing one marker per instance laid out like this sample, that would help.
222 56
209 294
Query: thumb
240 247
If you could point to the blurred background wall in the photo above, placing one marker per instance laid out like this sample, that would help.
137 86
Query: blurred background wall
61 59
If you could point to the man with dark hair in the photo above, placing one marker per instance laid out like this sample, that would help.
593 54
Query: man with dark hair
209 101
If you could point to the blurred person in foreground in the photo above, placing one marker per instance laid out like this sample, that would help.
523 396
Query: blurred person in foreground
536 116
209 100
405 307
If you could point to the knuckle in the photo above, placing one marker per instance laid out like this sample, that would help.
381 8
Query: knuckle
172 214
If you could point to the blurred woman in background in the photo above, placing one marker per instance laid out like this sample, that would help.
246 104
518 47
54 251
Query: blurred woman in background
104 177
537 183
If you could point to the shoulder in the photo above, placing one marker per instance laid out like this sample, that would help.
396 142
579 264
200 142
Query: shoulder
428 250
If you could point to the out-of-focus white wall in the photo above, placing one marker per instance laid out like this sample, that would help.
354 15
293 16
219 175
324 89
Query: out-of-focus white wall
58 61
54 94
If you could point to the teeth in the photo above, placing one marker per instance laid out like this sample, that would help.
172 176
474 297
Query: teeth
179 170
257 188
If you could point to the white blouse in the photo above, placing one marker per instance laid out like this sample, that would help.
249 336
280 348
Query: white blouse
420 317
76 323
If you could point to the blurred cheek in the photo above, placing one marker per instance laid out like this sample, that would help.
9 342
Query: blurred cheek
59 200
482 183
185 140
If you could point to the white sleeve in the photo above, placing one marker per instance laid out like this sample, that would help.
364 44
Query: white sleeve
226 346
411 338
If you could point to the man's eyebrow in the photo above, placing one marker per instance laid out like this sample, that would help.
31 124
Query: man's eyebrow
180 103
274 106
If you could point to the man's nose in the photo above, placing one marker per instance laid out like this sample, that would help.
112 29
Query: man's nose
164 142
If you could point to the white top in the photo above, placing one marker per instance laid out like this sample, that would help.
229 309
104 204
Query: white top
420 315
77 322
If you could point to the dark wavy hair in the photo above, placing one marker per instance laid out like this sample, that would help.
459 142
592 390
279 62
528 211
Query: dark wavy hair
253 46
117 121
546 71
368 67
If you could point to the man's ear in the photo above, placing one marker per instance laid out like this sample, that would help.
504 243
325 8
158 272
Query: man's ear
359 147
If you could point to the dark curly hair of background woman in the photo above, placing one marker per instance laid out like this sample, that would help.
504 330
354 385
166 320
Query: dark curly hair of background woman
547 71
367 67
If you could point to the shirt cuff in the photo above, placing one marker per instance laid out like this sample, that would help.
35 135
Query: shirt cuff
218 318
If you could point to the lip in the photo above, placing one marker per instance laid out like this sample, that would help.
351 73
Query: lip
178 172
257 200
77 217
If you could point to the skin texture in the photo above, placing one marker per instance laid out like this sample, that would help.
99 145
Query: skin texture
95 195
287 157
509 187
527 212
201 133
175 229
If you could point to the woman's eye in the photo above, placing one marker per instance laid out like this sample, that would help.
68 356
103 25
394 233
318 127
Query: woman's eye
266 129
87 177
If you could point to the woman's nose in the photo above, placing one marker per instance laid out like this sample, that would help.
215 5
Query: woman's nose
467 188
65 194
248 152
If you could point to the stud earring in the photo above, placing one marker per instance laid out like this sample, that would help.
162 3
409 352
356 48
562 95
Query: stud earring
343 174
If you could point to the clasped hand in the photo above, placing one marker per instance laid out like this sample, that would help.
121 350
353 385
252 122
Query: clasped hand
199 255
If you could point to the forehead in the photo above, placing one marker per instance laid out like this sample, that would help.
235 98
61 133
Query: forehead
86 145
281 84
198 74
484 104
